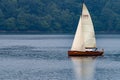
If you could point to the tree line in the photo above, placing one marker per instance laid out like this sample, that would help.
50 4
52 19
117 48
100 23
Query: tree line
57 16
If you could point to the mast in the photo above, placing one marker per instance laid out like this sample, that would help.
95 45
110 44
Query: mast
82 6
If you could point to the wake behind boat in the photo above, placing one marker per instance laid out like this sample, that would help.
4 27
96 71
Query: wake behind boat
84 43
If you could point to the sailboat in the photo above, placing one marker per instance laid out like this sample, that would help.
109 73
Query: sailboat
84 43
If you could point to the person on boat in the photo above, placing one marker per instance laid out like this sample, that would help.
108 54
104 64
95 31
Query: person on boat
96 49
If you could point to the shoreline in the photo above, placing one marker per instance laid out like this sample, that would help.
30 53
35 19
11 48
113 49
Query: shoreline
50 33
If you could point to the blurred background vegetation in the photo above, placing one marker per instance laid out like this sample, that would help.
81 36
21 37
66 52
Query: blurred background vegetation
57 16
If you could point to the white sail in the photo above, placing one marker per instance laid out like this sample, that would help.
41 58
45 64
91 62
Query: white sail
88 30
78 42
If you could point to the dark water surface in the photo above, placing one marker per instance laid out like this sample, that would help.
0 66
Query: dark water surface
44 57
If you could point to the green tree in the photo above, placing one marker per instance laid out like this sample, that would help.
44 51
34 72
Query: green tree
10 24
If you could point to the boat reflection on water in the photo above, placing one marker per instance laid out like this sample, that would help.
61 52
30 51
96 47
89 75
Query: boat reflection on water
84 67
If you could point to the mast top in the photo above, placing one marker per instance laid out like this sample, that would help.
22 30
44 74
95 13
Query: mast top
82 1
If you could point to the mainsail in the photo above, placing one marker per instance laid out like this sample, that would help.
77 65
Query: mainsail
88 30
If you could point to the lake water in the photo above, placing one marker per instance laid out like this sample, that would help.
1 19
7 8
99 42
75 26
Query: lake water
44 57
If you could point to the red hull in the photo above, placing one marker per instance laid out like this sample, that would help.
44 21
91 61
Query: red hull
86 53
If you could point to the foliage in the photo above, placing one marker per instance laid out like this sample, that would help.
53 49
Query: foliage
57 16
